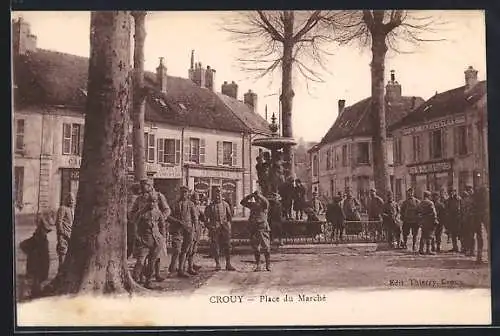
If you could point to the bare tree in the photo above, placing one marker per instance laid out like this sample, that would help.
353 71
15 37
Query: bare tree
382 30
96 260
287 39
139 103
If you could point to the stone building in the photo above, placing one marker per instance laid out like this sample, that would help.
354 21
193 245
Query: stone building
442 144
193 135
344 156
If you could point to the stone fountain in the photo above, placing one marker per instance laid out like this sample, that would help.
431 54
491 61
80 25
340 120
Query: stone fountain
271 170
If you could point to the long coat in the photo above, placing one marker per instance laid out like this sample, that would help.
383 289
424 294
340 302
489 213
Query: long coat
64 224
37 250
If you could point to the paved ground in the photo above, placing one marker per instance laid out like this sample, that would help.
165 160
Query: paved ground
321 266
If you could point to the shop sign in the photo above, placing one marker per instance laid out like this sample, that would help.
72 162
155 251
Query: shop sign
71 161
430 168
164 171
214 173
434 125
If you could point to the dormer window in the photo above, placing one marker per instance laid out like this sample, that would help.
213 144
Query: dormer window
182 106
427 107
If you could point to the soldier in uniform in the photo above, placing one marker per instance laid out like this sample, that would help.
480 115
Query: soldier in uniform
149 238
453 218
192 267
275 219
218 217
259 227
140 203
64 225
481 207
316 204
410 219
183 222
375 209
390 215
428 220
335 216
350 206
440 204
468 226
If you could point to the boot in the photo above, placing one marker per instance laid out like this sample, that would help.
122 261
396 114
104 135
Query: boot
257 262
191 269
138 271
428 248
267 256
229 267
421 247
182 267
173 264
217 263
438 248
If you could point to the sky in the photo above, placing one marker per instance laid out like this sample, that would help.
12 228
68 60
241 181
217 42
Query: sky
432 67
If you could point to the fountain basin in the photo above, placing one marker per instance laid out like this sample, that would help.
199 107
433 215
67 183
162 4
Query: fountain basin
274 143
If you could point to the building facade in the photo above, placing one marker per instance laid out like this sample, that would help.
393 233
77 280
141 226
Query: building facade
442 144
193 135
344 157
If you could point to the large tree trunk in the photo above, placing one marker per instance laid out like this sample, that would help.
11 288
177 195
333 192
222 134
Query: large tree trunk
380 164
96 260
139 102
287 94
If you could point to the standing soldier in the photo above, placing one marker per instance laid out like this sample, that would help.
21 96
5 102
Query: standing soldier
481 207
192 267
390 215
409 215
299 199
440 204
182 228
259 227
428 219
316 204
454 218
218 217
468 221
335 216
375 209
350 206
149 239
64 224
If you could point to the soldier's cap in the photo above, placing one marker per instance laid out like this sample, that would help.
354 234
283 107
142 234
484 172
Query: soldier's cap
468 186
410 189
217 190
146 181
427 193
373 190
44 222
435 194
184 188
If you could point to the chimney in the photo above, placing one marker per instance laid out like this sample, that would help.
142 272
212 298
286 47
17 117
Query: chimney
209 78
393 88
230 90
470 77
161 76
341 107
250 98
23 41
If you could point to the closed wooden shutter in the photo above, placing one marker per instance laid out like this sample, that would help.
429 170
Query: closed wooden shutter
202 150
177 151
220 153
82 130
235 154
187 150
469 139
456 140
352 154
161 150
66 141
443 143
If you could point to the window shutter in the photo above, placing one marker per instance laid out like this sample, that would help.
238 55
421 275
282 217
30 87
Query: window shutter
187 150
431 145
469 139
443 143
80 147
66 146
177 151
146 142
352 154
161 150
370 153
455 140
235 154
152 149
220 153
202 150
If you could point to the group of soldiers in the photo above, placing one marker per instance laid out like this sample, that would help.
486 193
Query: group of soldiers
461 217
152 220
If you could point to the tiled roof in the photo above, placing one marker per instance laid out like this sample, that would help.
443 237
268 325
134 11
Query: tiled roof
443 104
48 78
246 115
355 119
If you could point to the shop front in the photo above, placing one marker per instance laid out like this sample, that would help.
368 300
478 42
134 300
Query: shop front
206 181
70 175
432 176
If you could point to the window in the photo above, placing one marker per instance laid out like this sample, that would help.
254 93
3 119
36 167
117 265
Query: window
329 158
436 146
337 158
227 153
463 140
149 147
315 165
463 179
19 145
399 189
197 150
363 153
347 182
18 186
332 187
398 157
72 139
344 156
417 148
169 151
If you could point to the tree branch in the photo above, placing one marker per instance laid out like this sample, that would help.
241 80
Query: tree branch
310 23
269 27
